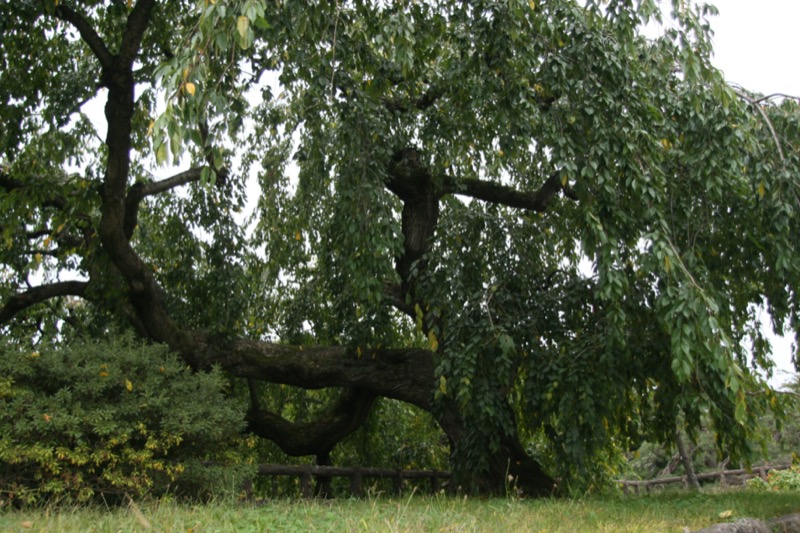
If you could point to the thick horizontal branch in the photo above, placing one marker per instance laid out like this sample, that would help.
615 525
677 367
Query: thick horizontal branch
403 374
88 34
22 301
501 194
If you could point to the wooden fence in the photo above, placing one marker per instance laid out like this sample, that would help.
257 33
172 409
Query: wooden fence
307 473
726 477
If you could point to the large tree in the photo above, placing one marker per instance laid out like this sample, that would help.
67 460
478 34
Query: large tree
524 217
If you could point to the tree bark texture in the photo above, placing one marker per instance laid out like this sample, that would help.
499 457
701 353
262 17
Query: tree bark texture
686 459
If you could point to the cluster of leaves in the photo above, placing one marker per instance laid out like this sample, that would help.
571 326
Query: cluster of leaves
778 480
115 417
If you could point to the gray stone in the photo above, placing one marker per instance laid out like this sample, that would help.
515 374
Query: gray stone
744 525
785 524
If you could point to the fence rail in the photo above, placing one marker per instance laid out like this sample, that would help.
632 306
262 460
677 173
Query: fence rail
725 478
307 473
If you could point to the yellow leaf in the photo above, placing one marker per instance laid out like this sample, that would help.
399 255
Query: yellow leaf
38 258
532 4
762 190
103 374
128 385
666 144
564 180
47 418
433 341
190 88
726 514
358 352
443 384
35 354
667 264
298 236
242 23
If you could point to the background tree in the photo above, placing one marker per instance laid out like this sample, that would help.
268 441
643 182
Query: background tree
456 162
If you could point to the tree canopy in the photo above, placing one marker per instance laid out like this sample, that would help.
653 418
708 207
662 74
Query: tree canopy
527 218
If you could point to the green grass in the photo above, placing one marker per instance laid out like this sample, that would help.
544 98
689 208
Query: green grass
664 512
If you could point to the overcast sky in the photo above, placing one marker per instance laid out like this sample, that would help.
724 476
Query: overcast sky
757 45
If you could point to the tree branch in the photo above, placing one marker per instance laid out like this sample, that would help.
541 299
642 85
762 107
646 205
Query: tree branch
406 374
88 34
756 104
421 104
141 190
9 184
316 437
35 295
508 196
138 21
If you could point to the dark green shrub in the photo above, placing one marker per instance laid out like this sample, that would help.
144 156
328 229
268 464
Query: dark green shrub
115 417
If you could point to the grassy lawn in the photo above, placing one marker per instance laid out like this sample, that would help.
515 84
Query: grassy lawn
664 512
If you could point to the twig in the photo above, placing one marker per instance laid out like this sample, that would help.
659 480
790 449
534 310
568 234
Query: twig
757 105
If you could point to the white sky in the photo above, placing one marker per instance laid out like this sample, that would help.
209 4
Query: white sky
756 45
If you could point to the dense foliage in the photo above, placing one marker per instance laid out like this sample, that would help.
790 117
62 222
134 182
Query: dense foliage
781 480
524 217
107 419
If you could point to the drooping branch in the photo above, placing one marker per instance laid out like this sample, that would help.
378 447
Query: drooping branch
317 437
35 295
87 32
502 194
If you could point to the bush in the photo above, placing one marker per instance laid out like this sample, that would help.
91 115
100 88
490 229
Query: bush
112 418
778 480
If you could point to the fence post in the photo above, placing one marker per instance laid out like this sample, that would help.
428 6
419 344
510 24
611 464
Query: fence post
306 488
356 486
397 482
435 482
